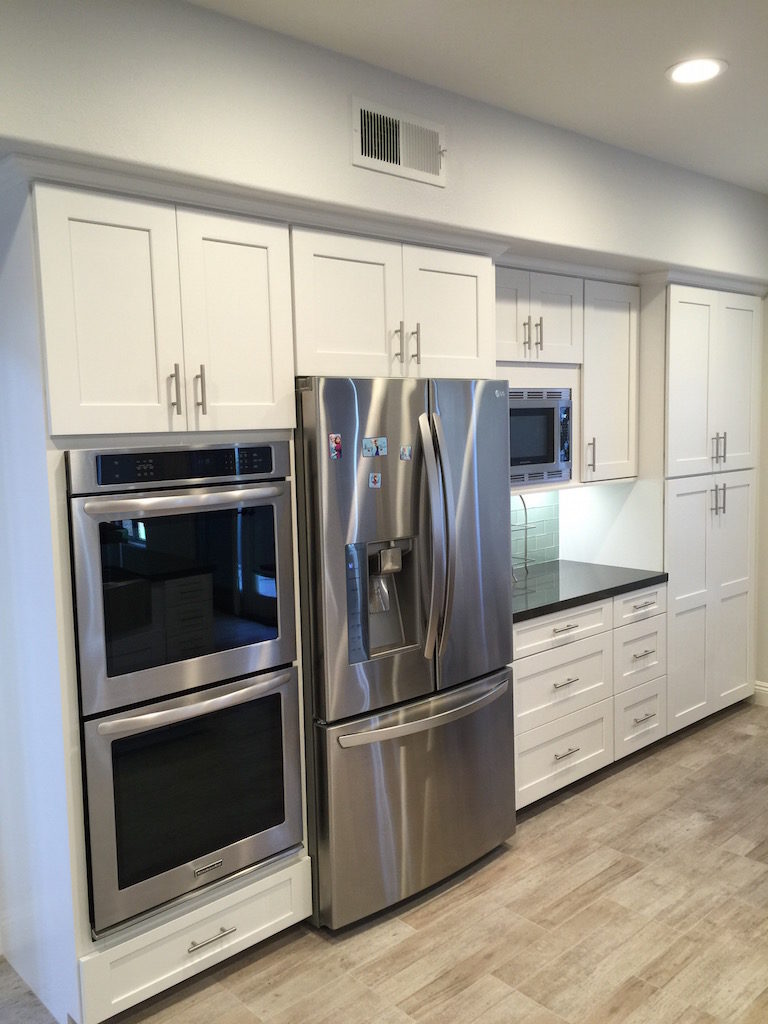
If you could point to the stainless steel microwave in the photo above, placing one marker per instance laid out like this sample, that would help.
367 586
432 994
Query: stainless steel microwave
539 435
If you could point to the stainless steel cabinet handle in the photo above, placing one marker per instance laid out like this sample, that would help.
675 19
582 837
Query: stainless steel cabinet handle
593 444
125 508
716 439
156 719
194 946
643 654
725 446
650 714
176 378
643 604
723 508
439 543
203 403
716 507
527 333
540 333
566 682
564 629
393 732
417 356
568 752
401 332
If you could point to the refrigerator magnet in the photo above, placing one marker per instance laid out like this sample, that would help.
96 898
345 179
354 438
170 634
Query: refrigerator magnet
334 446
373 446
406 452
374 480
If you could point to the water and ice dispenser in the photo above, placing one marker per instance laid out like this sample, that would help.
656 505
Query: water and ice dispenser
382 595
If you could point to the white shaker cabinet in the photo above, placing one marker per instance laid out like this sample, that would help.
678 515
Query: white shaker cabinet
539 317
609 381
713 380
710 560
155 324
372 308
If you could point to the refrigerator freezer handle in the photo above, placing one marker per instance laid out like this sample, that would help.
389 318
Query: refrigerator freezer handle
450 518
437 519
393 732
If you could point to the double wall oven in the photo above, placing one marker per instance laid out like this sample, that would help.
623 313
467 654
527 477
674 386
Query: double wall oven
184 600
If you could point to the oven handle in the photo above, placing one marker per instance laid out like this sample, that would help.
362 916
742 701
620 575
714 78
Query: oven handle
156 719
128 507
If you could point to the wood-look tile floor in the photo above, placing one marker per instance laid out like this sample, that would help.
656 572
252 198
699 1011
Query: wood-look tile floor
637 897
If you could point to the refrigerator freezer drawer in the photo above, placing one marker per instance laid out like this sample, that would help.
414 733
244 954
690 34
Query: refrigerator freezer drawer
408 797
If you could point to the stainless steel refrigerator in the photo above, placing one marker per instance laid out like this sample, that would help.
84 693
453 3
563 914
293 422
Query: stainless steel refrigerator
407 633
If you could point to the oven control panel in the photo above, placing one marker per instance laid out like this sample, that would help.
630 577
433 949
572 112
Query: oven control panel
189 464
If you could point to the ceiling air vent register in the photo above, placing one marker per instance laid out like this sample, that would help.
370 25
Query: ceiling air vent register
396 143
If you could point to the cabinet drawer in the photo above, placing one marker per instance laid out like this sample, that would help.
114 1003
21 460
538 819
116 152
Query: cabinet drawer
563 751
639 652
548 631
640 716
555 683
640 604
124 974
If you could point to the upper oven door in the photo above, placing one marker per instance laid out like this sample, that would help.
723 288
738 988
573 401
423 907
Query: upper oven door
178 589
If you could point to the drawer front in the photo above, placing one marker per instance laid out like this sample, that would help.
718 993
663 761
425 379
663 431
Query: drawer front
559 628
556 683
122 975
640 604
553 755
640 716
639 652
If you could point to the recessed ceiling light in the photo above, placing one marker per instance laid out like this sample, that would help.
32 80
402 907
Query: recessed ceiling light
687 72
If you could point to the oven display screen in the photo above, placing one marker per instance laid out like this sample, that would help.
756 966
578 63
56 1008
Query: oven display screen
188 789
182 586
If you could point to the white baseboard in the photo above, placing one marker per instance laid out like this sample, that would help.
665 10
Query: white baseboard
761 694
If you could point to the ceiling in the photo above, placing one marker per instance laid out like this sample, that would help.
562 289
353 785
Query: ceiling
593 66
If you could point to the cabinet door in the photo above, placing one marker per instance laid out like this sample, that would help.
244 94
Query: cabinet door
449 313
609 381
688 510
691 330
513 325
734 381
557 312
111 312
731 566
348 304
236 313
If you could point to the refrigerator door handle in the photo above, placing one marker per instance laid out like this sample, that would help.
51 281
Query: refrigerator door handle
437 591
393 732
450 518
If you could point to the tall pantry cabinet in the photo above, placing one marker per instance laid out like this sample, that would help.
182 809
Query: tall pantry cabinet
712 423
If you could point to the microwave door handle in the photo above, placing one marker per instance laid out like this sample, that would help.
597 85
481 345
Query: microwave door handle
160 505
437 521
450 518
156 719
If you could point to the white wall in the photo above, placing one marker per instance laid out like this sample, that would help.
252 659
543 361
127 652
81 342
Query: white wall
187 92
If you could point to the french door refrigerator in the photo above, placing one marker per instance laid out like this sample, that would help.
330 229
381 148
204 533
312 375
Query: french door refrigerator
407 627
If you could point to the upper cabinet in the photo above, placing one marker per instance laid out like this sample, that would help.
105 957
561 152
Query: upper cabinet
609 381
539 317
157 319
380 309
713 380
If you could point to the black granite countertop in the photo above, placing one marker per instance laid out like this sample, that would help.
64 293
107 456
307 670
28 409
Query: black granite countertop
557 585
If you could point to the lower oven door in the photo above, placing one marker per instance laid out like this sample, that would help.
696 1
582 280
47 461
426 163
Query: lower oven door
187 791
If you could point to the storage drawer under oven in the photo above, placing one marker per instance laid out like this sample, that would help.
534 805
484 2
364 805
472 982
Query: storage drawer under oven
187 791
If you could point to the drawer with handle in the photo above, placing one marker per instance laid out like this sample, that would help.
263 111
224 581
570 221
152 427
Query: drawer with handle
639 652
548 631
557 682
640 716
553 755
640 604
